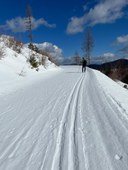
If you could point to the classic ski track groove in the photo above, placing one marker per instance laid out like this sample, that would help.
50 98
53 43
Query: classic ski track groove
56 164
116 139
78 127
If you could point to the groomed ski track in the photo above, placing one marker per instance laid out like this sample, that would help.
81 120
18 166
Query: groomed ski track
65 122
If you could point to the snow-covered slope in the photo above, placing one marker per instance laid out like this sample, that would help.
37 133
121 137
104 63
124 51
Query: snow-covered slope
122 84
15 67
65 121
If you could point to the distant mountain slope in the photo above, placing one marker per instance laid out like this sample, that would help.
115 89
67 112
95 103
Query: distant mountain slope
116 70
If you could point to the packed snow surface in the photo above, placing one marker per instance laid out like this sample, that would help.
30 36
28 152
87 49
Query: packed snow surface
64 120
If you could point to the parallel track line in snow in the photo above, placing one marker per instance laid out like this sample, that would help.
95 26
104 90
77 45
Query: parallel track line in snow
86 164
56 164
11 146
40 136
118 109
73 159
68 122
117 131
108 119
93 136
19 140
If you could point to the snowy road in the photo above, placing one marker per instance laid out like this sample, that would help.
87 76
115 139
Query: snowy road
70 121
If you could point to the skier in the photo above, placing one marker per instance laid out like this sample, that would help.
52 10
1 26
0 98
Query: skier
84 63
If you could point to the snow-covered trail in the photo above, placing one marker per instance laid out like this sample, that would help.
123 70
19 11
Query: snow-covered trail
65 122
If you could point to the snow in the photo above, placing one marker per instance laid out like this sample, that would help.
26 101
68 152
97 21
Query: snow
53 50
64 120
122 84
116 93
14 68
118 157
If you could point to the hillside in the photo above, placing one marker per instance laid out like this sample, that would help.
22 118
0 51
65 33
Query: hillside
15 67
116 70
67 120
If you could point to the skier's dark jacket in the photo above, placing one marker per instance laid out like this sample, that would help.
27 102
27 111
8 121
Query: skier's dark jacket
84 63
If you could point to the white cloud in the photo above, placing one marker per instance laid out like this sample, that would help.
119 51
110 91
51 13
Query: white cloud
76 25
53 50
110 55
19 24
107 11
106 57
122 39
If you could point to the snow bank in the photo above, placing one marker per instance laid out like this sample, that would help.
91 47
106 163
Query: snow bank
117 93
14 68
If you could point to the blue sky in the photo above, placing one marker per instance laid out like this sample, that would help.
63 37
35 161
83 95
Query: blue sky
63 23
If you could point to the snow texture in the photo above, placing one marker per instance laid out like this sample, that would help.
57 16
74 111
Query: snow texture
64 120
14 67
